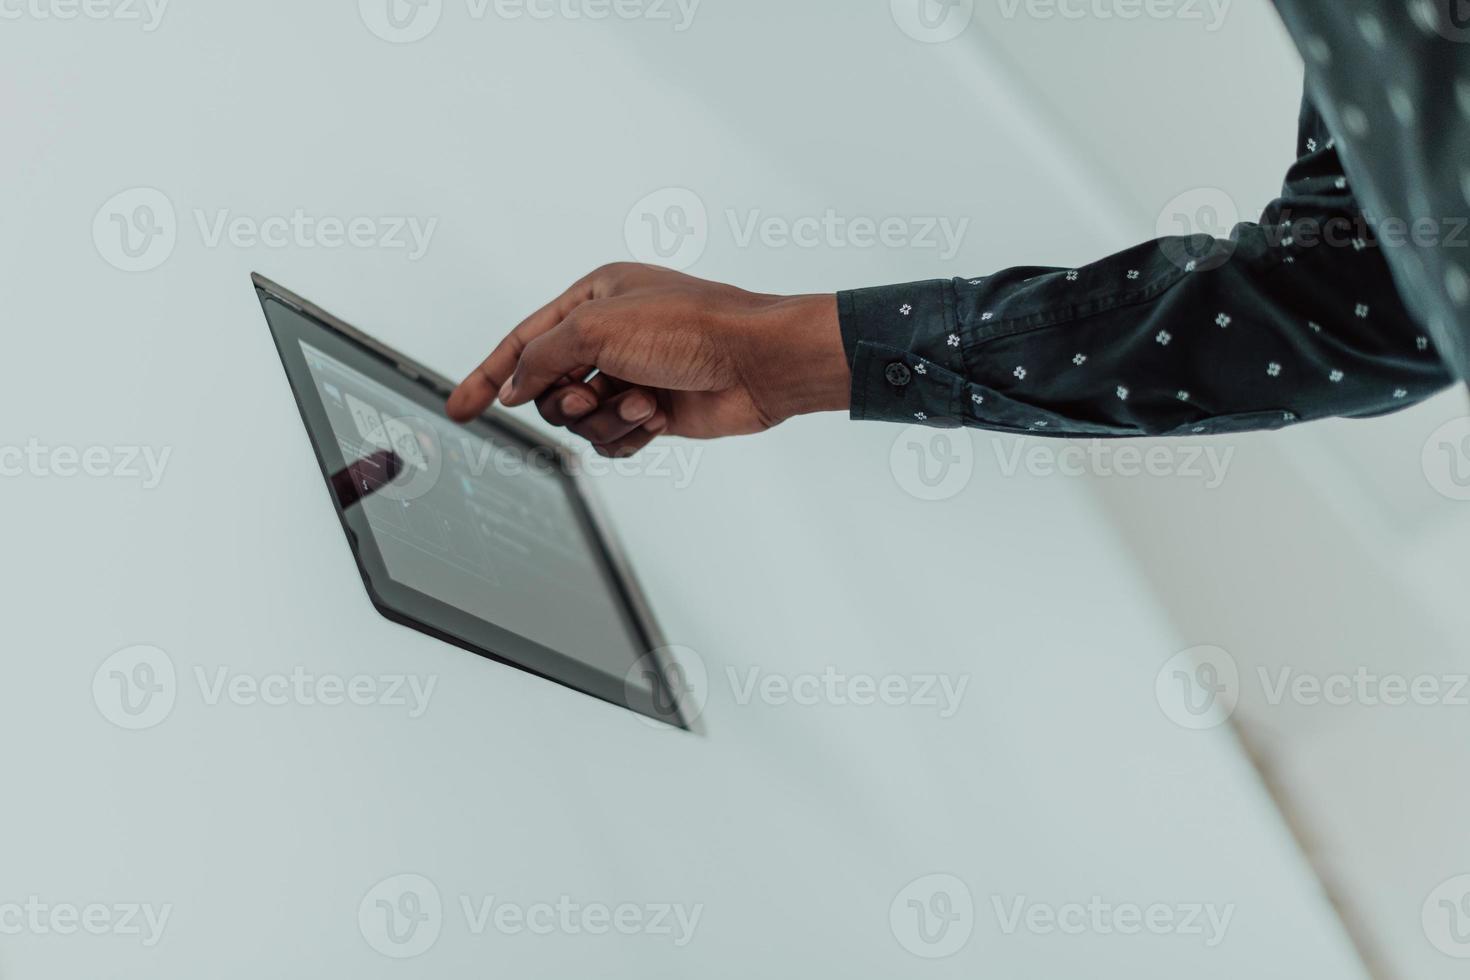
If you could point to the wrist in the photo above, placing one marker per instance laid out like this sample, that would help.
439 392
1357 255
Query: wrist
799 358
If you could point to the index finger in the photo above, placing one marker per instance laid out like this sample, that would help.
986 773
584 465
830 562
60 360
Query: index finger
478 390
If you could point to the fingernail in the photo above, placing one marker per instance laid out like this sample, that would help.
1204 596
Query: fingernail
505 389
636 409
575 404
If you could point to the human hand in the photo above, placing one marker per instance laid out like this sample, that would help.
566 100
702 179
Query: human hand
633 351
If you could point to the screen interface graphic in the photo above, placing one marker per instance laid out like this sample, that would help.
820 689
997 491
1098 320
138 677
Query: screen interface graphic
486 526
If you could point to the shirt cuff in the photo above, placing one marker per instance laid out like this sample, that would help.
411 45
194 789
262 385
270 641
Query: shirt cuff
904 349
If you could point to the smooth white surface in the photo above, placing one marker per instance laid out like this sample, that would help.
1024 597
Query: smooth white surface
795 827
1330 549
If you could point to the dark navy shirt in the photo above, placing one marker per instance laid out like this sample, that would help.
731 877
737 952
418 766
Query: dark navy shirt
1350 296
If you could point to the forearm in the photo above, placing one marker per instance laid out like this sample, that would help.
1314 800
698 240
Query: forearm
1295 318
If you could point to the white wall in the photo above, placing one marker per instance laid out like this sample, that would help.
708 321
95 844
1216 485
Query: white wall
1328 550
793 827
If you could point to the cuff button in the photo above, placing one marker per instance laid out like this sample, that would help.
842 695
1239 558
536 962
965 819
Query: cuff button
898 374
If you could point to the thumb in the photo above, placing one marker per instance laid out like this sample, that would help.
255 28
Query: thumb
563 349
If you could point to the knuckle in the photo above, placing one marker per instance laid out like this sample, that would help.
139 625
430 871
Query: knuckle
583 430
611 271
529 355
573 331
600 427
614 277
583 328
535 360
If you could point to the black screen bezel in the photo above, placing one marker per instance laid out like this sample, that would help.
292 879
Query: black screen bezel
422 612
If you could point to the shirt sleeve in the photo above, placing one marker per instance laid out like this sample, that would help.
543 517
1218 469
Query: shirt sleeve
1291 319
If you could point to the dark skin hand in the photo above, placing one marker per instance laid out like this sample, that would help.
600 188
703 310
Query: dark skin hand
631 352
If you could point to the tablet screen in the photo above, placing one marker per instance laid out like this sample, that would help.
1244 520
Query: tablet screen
482 524
474 533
